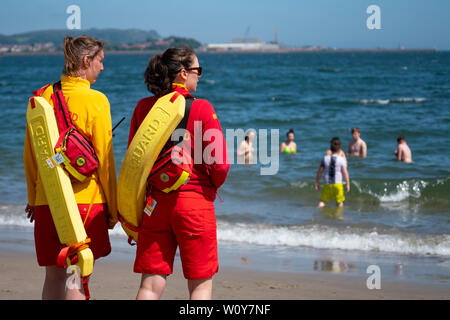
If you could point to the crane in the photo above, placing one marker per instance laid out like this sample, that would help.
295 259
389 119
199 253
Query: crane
247 32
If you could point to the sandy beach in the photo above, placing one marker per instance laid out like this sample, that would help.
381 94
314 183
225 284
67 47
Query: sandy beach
22 278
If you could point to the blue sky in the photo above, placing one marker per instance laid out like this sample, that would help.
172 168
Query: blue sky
334 23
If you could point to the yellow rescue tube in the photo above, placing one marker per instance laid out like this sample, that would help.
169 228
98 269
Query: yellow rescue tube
58 190
150 138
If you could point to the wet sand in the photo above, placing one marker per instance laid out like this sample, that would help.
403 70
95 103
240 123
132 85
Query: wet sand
22 278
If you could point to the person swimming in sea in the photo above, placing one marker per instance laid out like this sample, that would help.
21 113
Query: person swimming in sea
289 146
357 147
246 149
341 153
403 152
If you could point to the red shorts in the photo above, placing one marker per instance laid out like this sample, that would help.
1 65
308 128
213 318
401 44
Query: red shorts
47 241
184 219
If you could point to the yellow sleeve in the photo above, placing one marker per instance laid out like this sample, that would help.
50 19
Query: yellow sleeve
31 171
102 141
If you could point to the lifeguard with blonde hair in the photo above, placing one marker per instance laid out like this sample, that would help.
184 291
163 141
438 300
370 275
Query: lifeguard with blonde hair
96 195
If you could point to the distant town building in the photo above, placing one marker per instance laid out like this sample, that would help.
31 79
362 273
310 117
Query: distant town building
243 44
21 48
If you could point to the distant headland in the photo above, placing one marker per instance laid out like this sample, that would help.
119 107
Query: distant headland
116 40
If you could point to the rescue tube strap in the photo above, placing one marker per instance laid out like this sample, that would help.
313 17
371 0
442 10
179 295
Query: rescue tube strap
181 180
67 252
127 225
72 170
85 287
181 125
187 111
61 111
40 91
175 96
64 256
130 241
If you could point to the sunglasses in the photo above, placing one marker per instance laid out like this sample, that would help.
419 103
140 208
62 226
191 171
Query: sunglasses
199 70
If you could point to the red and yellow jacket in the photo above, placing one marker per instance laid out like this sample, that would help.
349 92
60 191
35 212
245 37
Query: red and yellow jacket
90 114
205 179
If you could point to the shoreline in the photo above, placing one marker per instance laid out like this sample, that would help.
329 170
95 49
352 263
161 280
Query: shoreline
395 267
245 272
22 278
291 50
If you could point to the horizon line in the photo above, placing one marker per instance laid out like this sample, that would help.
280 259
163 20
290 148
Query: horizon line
205 43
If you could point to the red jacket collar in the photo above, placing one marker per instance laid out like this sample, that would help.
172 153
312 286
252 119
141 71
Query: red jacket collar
182 91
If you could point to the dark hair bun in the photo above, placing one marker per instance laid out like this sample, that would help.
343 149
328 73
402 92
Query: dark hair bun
157 76
163 68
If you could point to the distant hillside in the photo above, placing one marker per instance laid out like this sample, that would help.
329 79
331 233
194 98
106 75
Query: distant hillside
115 39
56 36
6 39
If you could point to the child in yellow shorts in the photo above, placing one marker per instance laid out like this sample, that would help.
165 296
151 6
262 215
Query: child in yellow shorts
334 168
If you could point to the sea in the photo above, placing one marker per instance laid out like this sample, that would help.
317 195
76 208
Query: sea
396 215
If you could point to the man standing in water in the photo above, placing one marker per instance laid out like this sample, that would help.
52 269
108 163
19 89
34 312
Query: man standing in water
357 147
246 149
403 152
334 167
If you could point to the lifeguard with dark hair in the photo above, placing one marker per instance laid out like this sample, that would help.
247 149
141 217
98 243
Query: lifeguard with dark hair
185 217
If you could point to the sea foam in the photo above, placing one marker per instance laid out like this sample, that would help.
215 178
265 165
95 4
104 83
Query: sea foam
312 236
324 237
